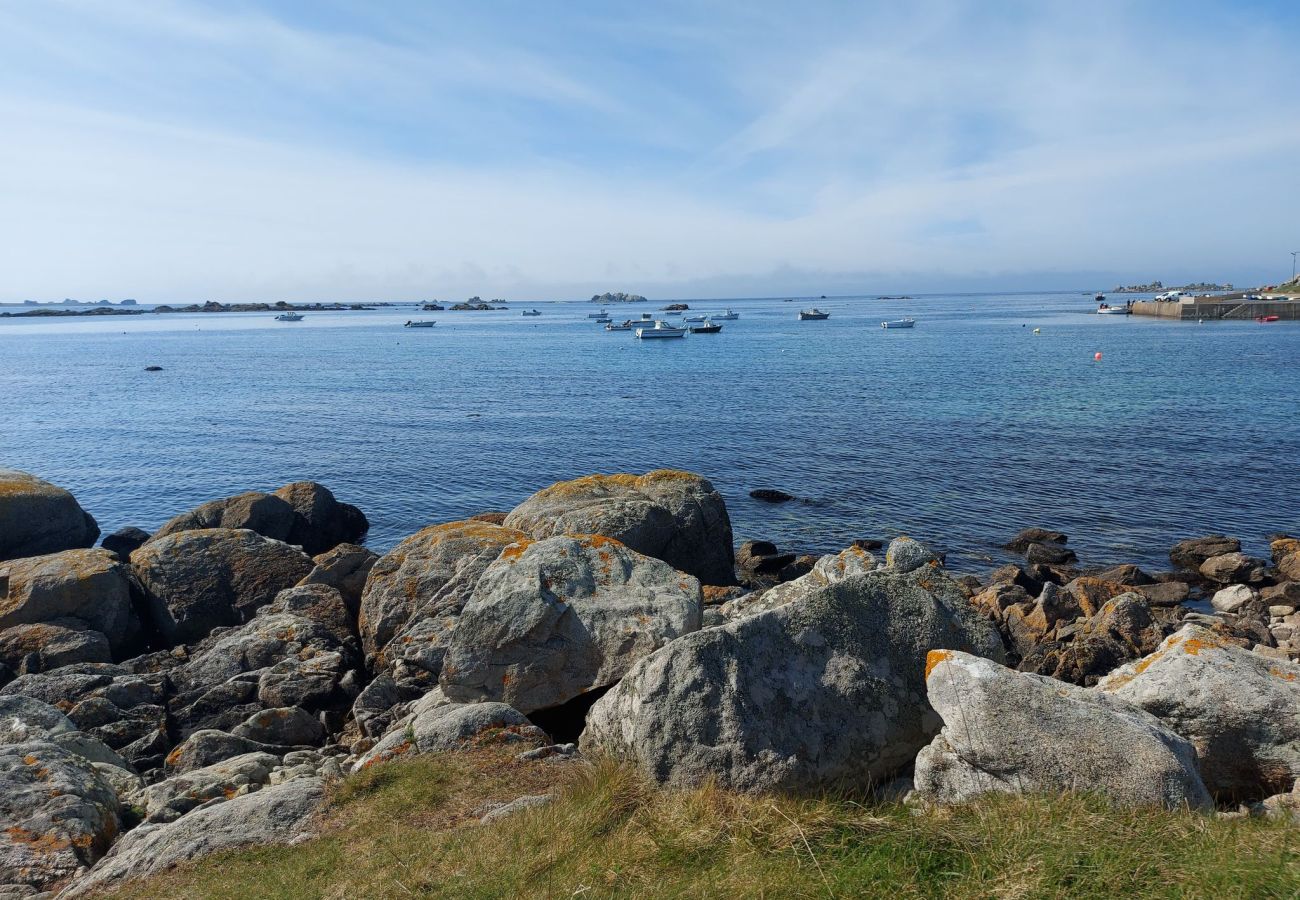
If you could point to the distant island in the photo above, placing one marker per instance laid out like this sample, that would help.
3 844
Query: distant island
212 306
620 297
478 304
1156 287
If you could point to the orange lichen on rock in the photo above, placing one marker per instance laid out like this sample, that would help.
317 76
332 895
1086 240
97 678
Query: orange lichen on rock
933 658
1285 676
41 843
1195 645
516 550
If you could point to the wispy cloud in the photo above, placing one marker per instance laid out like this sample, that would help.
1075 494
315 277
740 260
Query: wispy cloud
174 148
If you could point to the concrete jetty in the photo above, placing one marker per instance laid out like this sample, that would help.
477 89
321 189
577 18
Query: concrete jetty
1230 307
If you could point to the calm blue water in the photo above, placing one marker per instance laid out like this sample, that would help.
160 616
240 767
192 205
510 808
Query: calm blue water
958 432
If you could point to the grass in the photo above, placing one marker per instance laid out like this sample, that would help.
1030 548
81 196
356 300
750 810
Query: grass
407 829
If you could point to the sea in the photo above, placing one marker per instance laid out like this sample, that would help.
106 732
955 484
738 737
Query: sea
993 413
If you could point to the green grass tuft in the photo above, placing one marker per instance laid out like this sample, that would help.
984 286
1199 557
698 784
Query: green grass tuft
409 829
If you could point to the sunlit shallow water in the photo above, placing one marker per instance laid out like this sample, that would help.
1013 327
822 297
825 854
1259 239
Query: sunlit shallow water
958 432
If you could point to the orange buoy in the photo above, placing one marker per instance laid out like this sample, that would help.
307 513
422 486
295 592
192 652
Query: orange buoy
1097 356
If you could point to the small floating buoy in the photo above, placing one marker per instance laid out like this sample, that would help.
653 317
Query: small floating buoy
1038 331
1097 357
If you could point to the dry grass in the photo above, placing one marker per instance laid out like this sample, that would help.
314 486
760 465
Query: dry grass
407 829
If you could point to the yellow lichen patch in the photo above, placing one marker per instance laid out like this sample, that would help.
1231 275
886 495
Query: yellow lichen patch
586 485
933 658
41 843
1195 645
30 760
516 550
1285 676
598 540
1144 664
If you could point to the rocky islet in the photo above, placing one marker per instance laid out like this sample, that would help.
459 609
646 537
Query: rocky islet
171 695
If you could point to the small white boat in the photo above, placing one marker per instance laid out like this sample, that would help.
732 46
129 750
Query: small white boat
661 330
289 317
531 312
727 315
598 315
421 323
1107 310
626 326
814 315
696 318
899 323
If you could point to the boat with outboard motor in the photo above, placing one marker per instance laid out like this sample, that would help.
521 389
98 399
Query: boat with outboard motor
661 329
905 322
289 317
420 323
813 315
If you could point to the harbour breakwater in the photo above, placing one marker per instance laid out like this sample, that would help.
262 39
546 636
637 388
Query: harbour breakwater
174 694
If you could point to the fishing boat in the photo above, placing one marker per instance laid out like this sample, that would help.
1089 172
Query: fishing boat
625 326
812 315
1100 298
598 315
1107 310
661 330
531 312
289 317
695 318
706 327
420 323
906 322
727 315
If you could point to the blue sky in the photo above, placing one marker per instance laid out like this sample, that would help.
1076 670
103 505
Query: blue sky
176 149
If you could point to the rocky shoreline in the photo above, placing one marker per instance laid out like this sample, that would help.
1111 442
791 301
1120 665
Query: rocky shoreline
212 306
170 695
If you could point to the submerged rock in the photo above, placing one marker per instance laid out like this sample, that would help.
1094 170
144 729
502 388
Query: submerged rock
1022 541
674 516
556 618
827 691
1007 732
37 518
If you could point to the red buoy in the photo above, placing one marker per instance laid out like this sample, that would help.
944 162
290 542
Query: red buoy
1097 357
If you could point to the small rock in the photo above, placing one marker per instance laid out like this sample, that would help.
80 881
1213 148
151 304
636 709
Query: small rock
516 806
771 495
1231 599
1021 542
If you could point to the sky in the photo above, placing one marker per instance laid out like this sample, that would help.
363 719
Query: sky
171 150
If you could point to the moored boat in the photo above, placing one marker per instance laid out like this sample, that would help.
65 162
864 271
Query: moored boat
624 326
905 322
700 317
706 327
289 317
420 323
531 312
661 330
727 315
1263 319
598 315
812 315
1107 310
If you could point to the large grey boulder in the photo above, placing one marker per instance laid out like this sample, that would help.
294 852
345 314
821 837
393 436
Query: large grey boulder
426 581
827 691
1014 733
274 815
211 747
320 521
89 586
37 518
171 798
346 568
63 642
267 514
436 725
199 580
557 618
1240 709
57 815
23 720
674 516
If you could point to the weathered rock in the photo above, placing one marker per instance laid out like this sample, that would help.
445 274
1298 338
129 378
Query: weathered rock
325 606
274 815
761 558
199 580
1241 710
674 516
1289 566
266 514
380 704
57 815
344 568
171 798
1191 553
1164 593
90 586
1013 574
125 541
1050 555
1123 629
427 578
321 522
39 648
556 618
518 805
906 555
1006 732
1232 598
828 569
37 518
438 726
24 720
997 598
286 727
1020 543
311 683
1234 568
771 495
826 691
210 747
1125 574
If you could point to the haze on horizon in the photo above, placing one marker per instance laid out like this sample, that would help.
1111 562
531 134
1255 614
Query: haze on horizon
178 149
